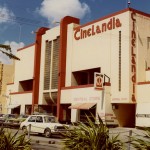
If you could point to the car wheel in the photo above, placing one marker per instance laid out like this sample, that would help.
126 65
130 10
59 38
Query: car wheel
47 133
24 129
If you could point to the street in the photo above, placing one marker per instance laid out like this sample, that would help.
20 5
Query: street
39 142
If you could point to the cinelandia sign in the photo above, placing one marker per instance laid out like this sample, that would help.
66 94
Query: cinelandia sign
113 23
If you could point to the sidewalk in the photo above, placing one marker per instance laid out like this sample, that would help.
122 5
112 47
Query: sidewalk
125 134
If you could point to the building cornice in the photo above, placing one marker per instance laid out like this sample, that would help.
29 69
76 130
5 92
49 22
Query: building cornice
113 15
23 48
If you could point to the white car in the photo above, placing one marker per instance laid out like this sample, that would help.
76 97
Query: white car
42 124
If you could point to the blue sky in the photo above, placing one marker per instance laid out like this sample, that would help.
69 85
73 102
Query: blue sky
18 18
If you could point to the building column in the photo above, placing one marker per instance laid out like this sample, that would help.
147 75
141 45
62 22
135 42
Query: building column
62 60
37 62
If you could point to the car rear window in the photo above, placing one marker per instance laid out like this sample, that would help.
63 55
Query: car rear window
48 119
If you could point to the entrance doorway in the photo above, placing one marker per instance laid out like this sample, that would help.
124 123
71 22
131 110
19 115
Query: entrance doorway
91 113
125 114
16 110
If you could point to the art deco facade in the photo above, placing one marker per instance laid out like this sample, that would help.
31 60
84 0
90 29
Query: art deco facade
102 67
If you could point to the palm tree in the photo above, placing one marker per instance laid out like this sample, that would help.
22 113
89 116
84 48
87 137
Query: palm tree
6 49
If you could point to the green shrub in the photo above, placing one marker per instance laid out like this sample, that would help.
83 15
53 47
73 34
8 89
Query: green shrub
141 142
91 136
9 141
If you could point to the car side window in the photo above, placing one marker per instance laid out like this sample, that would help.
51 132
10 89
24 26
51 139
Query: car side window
39 119
32 119
48 119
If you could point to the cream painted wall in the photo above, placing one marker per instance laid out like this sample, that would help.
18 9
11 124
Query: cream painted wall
102 50
81 95
142 110
143 93
23 71
143 26
66 96
90 95
121 96
92 52
20 99
142 51
148 75
69 55
25 67
50 35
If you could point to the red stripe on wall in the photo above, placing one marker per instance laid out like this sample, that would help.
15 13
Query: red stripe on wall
62 58
37 62
24 48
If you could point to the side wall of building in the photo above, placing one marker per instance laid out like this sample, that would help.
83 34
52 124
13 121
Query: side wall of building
20 91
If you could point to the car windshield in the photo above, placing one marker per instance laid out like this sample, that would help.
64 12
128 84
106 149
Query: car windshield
10 116
49 119
23 116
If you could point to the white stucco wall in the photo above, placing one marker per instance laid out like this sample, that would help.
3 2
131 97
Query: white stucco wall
102 50
23 71
20 99
143 93
122 95
143 114
25 67
143 55
148 75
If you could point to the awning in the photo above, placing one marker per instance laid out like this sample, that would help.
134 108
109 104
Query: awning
12 106
82 106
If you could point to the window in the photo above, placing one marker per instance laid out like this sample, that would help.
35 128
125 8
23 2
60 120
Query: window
32 119
26 85
48 119
39 119
84 77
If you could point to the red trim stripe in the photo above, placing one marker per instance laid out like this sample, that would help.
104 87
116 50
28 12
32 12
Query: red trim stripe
62 59
26 47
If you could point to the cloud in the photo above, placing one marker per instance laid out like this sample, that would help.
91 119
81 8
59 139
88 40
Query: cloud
55 10
14 46
6 15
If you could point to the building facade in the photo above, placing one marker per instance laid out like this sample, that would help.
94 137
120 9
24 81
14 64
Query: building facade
6 76
99 68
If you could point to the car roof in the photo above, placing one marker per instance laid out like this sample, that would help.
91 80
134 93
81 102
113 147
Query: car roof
41 115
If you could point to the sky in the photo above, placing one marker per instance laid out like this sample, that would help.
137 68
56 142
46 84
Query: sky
19 19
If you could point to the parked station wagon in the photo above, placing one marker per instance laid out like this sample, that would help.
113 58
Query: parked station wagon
42 124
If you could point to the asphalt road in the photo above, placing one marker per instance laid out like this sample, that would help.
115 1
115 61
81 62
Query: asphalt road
39 142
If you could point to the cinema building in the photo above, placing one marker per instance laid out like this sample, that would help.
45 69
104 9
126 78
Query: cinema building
102 67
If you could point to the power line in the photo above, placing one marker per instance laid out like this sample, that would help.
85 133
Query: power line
22 20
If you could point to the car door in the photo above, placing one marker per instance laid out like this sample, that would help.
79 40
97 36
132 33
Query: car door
39 124
31 121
